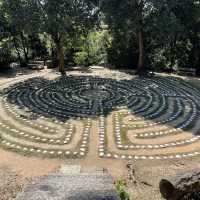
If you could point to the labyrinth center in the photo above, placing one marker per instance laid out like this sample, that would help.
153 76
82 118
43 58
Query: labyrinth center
152 118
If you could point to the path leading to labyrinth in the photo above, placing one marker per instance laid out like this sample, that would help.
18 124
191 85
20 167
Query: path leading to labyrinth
87 117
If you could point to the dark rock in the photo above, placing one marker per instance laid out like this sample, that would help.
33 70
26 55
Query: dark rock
175 188
71 183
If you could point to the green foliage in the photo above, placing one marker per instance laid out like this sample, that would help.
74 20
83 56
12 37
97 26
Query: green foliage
95 48
121 190
20 17
80 58
171 32
63 19
5 55
90 49
92 32
38 47
122 52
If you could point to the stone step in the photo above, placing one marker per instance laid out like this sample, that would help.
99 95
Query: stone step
70 169
75 186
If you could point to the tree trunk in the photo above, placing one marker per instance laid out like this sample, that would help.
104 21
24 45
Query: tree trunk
88 51
60 54
88 55
172 52
172 58
181 185
24 48
141 67
17 50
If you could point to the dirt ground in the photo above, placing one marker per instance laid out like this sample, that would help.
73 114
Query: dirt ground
10 183
16 170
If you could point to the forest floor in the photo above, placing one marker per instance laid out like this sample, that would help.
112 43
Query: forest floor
16 170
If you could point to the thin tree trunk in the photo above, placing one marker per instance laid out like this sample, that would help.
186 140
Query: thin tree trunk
60 54
88 50
88 55
17 50
24 48
141 67
172 58
172 52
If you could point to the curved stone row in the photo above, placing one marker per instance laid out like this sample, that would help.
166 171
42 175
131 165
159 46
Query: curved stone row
185 109
15 139
66 138
118 138
53 111
78 152
104 152
183 125
67 101
84 96
186 122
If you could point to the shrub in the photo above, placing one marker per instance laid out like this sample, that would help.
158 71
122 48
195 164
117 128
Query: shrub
121 190
5 57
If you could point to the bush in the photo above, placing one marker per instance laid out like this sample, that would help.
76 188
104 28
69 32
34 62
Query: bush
121 52
5 57
80 58
121 190
90 49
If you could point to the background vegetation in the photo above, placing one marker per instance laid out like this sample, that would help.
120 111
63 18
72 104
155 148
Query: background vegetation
162 35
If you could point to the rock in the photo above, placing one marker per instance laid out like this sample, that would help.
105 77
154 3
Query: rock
71 183
175 188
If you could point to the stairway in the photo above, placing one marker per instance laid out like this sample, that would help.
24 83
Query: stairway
71 183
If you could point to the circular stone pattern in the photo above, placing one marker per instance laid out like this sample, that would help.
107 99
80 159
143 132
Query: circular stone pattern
70 96
151 118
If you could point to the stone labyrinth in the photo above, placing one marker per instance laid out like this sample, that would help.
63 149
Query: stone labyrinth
155 118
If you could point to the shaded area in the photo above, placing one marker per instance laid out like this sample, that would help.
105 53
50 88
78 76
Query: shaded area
70 96
86 96
13 72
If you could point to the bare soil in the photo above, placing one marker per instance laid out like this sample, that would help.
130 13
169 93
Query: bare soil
16 170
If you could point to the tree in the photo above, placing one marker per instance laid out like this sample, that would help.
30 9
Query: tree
153 24
141 33
189 15
62 18
21 19
176 30
128 15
